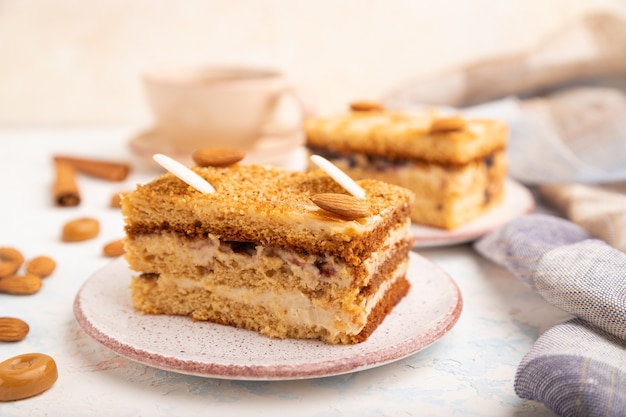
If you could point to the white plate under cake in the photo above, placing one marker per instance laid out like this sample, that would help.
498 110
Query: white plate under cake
104 310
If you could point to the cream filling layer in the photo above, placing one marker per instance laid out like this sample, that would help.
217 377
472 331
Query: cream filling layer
295 309
432 179
204 253
292 306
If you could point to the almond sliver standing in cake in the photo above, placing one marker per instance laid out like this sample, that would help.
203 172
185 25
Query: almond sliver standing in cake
184 173
338 175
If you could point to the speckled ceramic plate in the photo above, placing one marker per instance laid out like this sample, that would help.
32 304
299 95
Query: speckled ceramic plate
518 200
104 310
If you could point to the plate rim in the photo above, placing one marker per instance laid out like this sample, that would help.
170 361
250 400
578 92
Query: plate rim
265 372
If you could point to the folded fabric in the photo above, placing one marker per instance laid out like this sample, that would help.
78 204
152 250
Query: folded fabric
575 135
583 276
599 209
577 368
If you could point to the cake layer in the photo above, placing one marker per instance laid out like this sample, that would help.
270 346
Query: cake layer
274 322
430 179
266 206
454 212
200 259
276 292
406 136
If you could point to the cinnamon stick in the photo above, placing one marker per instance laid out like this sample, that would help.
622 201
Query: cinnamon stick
107 170
65 189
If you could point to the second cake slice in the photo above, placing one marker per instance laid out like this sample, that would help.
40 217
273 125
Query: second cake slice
455 166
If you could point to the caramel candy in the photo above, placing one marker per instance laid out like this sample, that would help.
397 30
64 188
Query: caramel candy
26 375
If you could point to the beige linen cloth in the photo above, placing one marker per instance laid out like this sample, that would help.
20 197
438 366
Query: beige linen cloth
567 121
591 125
601 210
571 146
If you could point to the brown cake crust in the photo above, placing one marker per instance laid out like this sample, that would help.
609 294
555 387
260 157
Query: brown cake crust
383 308
270 207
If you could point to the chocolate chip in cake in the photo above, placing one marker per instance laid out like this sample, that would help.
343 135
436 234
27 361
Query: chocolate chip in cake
245 248
326 269
488 161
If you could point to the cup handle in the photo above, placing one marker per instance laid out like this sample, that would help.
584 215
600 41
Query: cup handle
284 105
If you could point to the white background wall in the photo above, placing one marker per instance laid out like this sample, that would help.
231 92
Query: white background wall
79 61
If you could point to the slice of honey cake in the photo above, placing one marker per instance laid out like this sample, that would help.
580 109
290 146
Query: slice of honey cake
457 167
259 254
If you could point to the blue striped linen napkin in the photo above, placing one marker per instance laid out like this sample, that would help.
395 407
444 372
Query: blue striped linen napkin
577 368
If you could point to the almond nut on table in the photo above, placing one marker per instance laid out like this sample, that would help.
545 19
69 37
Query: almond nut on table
20 284
80 229
42 266
10 261
217 157
114 248
365 106
13 329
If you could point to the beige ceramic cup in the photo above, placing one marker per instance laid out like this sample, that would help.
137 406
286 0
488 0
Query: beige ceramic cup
221 106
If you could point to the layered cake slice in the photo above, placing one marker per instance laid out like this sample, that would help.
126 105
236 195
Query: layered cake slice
456 167
259 254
